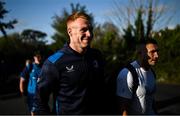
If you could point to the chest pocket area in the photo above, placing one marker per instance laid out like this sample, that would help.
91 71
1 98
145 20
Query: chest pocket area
74 74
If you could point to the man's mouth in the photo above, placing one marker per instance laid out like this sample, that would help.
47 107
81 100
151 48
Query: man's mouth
85 40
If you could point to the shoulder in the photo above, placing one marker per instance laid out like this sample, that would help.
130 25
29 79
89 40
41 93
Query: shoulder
135 64
28 68
55 57
95 51
125 76
124 84
123 73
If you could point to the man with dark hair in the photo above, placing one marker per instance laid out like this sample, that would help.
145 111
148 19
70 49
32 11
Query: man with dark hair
74 74
29 78
136 85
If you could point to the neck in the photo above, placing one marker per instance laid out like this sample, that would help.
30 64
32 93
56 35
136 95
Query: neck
80 50
144 65
36 62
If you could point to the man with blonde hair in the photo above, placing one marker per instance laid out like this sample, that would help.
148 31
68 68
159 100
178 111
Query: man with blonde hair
74 74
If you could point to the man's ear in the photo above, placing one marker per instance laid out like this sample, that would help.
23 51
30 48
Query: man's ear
69 31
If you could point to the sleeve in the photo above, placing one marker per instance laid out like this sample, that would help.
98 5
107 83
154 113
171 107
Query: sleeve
124 84
24 73
48 78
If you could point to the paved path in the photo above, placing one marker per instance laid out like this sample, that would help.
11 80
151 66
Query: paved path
12 104
169 94
168 97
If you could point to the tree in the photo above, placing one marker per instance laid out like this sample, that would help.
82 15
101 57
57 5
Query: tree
35 40
141 16
107 39
139 22
5 25
139 26
14 51
168 66
59 24
33 36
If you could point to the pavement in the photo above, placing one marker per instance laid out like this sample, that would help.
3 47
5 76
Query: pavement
167 96
12 104
168 99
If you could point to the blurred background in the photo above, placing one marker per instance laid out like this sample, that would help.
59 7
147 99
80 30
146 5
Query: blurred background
28 26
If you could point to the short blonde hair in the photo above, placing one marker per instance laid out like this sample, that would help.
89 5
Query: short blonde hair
76 15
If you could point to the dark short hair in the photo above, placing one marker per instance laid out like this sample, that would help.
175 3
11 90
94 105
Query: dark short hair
36 53
142 43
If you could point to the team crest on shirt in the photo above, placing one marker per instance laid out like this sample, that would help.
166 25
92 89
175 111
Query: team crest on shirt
95 64
70 68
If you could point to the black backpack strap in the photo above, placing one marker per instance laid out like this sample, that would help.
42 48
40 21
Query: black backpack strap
135 77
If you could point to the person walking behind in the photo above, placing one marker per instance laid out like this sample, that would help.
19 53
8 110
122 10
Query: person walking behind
24 81
29 78
136 85
74 74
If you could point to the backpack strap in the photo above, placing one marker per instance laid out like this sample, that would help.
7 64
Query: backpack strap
135 77
31 65
29 69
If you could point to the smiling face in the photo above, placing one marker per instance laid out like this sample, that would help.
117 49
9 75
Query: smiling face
80 33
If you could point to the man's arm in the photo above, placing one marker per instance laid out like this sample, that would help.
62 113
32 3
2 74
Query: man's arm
123 105
21 85
24 80
48 78
124 93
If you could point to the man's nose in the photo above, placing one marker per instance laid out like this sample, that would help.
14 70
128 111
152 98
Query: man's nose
156 55
89 33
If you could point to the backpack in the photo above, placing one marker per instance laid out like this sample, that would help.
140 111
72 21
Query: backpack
27 76
135 76
112 107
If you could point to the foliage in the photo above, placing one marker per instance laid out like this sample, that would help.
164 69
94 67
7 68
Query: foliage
107 39
168 67
33 36
5 25
145 16
117 49
14 51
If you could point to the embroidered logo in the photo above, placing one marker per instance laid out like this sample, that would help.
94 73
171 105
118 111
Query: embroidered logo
95 63
70 69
